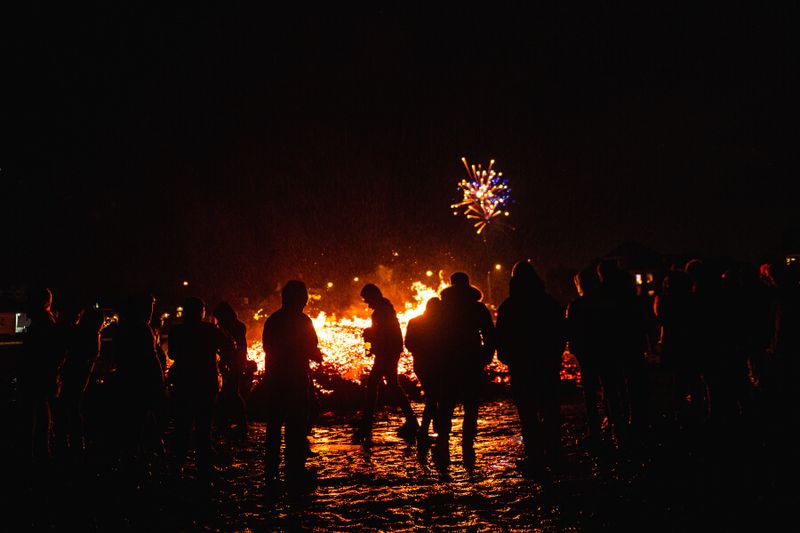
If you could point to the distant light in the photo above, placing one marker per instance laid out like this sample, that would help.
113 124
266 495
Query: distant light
429 273
355 278
185 283
638 279
506 213
498 266
395 254
330 284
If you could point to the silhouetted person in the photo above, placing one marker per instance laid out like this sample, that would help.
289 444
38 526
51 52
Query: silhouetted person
231 404
675 310
582 334
83 348
469 343
710 332
290 343
424 341
44 352
729 372
624 341
157 325
194 346
386 344
138 378
530 340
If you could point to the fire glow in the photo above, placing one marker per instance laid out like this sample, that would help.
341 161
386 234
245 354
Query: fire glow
342 344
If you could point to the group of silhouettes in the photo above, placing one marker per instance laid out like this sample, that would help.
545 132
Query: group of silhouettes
59 359
713 334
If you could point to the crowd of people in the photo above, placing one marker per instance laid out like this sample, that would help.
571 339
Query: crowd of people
729 342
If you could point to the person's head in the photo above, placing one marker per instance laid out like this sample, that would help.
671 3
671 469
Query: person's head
699 273
294 295
370 293
587 281
525 278
70 309
677 283
224 313
194 309
91 319
40 299
608 272
459 279
433 306
138 308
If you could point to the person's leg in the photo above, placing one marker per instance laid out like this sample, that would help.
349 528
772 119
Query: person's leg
469 428
388 370
203 419
550 406
590 382
296 444
272 442
371 396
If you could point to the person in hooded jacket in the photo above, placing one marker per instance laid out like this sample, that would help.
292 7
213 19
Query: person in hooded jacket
468 341
531 333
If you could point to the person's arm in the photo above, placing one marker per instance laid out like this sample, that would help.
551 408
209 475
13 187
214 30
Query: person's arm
312 343
501 335
488 333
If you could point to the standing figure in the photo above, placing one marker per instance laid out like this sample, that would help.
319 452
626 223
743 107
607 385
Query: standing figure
83 348
423 340
386 344
195 346
530 340
44 352
582 335
290 343
469 343
138 380
623 342
233 411
674 309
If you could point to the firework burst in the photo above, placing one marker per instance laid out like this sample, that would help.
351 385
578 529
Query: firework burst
485 195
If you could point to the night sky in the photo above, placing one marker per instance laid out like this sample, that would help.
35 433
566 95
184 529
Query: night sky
143 146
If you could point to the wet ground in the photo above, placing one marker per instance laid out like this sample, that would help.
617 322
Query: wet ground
662 485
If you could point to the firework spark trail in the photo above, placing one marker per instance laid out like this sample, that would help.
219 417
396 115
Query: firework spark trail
485 195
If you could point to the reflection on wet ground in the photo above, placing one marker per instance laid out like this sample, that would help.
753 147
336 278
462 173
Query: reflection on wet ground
666 485
390 486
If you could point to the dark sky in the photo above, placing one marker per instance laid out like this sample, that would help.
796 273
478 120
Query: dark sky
238 148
